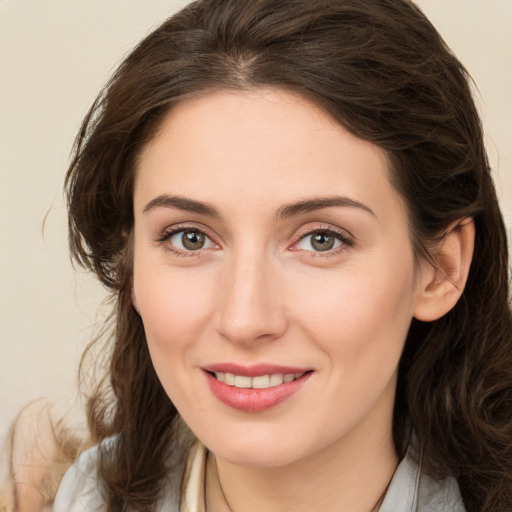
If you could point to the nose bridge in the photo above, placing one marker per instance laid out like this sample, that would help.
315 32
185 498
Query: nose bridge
250 307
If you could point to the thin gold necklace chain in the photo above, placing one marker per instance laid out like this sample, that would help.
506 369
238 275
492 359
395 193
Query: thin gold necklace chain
220 486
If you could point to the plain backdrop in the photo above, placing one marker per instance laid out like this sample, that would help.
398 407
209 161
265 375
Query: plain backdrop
54 57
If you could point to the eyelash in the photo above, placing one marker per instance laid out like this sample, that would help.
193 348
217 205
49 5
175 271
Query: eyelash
169 233
339 235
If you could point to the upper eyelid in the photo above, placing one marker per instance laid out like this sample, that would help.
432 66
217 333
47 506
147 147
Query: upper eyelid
176 228
329 228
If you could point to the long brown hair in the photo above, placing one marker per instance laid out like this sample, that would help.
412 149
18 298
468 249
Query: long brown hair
381 69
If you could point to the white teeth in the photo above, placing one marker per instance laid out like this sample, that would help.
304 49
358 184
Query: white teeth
259 382
276 379
241 381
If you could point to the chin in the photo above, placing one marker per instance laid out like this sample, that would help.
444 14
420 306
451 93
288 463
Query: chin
258 447
257 457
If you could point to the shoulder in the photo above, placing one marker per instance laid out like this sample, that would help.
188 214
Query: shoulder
81 487
439 496
411 490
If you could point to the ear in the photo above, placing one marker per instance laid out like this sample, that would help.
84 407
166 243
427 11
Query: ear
442 280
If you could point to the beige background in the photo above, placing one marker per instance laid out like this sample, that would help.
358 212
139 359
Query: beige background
54 57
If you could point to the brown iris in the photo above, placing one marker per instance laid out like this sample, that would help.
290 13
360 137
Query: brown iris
322 241
193 240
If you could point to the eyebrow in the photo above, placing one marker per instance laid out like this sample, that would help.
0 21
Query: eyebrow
182 203
285 212
309 205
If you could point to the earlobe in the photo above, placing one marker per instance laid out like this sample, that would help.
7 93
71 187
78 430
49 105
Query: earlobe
442 281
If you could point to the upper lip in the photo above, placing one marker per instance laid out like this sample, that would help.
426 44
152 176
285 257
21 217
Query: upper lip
254 370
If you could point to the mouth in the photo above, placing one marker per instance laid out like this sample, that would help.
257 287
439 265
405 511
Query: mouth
256 388
257 382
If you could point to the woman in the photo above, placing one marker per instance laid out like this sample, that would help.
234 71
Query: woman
292 206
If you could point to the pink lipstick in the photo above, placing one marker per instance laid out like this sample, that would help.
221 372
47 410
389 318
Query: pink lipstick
254 388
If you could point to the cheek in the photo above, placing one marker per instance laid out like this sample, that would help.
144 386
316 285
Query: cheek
174 307
360 318
173 303
360 324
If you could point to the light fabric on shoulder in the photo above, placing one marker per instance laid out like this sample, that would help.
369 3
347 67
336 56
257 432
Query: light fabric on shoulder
81 488
412 491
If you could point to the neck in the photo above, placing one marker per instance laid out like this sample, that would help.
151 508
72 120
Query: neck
349 477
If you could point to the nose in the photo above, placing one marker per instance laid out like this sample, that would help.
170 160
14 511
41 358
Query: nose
250 308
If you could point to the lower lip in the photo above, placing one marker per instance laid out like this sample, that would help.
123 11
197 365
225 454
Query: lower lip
254 400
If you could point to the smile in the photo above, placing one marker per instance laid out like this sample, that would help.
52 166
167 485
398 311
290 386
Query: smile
259 382
255 388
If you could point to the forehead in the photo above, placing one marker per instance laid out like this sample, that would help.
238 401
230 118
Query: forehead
270 144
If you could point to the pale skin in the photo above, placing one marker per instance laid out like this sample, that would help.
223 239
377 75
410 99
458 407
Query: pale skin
263 172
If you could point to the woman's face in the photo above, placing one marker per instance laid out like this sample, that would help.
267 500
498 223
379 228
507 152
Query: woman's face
274 274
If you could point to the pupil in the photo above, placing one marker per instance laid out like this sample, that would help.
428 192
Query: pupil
322 242
193 240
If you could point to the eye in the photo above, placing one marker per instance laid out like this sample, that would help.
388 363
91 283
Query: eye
321 241
189 240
